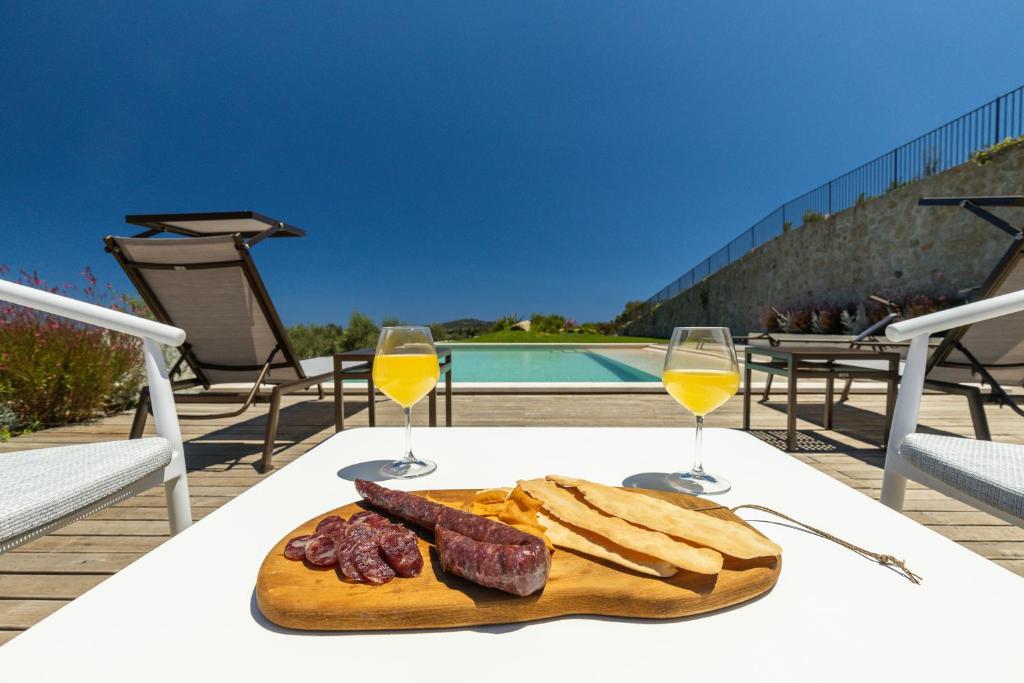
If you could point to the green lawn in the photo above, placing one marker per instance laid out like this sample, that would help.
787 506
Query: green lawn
555 338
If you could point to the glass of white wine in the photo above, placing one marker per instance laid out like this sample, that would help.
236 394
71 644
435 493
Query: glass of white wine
405 368
701 373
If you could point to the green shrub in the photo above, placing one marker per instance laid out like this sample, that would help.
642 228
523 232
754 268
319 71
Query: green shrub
313 341
438 332
983 156
546 323
55 371
811 216
505 323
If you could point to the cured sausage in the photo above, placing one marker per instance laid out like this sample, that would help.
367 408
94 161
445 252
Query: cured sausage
296 548
320 551
484 551
399 547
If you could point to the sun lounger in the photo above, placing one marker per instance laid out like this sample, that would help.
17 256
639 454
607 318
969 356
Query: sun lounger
44 489
206 283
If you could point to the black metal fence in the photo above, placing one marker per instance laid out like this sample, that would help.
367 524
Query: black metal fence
943 148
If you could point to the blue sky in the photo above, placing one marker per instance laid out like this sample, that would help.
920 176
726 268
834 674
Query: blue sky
465 159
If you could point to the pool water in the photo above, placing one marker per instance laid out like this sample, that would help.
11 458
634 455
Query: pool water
537 363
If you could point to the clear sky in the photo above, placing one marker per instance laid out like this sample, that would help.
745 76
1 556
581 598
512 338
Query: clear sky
465 159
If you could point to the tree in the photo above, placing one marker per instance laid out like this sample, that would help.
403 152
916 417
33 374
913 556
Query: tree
361 332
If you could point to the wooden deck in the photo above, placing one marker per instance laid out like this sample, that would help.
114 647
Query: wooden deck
40 577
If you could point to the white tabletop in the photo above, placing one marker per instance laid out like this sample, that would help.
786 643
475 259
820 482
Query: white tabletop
185 611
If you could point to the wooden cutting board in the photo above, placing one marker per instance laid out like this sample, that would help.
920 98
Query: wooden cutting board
297 595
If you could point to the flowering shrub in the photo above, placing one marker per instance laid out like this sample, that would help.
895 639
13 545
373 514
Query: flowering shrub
56 371
851 319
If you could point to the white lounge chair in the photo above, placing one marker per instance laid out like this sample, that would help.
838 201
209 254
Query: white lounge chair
989 476
44 489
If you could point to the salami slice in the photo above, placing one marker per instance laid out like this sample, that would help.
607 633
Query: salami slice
330 525
296 548
401 551
370 518
371 564
321 551
353 536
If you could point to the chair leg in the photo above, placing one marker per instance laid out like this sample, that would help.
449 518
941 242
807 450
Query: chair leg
767 388
179 509
978 417
271 435
845 396
830 381
432 407
339 405
141 413
894 490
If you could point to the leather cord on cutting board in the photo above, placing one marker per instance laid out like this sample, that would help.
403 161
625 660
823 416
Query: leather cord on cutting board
886 560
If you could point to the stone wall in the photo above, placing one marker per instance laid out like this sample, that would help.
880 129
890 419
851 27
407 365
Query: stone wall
887 246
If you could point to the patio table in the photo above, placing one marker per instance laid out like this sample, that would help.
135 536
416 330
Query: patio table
185 611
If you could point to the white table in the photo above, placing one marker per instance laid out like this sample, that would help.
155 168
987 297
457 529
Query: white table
185 611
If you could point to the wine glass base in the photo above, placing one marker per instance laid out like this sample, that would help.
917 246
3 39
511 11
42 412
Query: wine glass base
409 469
697 484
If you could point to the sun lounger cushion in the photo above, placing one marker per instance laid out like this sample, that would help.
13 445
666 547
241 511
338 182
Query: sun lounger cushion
41 486
990 472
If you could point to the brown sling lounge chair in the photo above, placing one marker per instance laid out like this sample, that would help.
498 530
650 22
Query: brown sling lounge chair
989 353
206 283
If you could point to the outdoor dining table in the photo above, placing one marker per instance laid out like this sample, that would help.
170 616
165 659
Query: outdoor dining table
186 611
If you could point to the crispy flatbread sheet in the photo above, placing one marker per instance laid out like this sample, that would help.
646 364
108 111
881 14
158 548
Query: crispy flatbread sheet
573 538
566 507
729 538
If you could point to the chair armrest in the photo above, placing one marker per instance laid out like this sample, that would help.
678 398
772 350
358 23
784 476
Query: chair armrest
90 313
940 321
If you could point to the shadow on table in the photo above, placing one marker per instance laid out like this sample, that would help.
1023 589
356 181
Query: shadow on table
371 470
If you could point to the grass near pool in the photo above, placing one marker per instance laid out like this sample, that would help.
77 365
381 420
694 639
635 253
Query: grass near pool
556 338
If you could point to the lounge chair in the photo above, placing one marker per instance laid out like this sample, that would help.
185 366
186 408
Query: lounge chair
989 476
44 489
206 283
988 352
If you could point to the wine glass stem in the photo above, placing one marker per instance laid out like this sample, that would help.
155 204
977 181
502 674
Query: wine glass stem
698 468
409 457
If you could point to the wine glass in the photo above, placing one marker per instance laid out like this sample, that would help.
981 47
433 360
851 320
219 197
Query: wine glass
701 373
405 368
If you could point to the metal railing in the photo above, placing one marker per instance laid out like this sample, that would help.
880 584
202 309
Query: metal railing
940 149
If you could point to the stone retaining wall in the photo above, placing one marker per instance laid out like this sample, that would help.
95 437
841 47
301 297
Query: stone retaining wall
887 246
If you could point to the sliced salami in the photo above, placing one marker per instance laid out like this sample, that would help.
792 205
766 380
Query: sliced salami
371 564
400 549
321 551
330 525
370 518
296 548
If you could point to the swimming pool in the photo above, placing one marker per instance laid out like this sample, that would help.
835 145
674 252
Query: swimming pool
528 363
